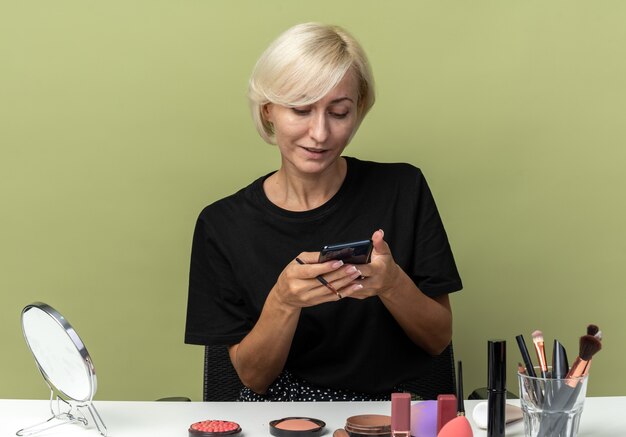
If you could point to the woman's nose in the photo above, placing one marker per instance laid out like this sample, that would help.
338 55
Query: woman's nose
318 129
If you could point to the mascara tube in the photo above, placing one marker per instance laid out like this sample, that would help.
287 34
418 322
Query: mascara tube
496 388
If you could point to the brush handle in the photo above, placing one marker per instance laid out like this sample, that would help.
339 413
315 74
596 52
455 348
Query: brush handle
563 399
530 369
578 369
541 356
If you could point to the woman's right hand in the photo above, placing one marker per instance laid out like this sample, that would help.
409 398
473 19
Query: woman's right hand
297 285
261 355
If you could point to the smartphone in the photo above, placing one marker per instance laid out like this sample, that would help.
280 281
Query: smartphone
357 252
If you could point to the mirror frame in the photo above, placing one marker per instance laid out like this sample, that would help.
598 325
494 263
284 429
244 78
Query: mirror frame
72 412
74 338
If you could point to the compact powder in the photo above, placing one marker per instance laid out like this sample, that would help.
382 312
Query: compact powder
213 428
369 420
369 425
296 427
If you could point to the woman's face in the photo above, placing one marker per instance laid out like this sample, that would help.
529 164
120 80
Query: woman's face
311 138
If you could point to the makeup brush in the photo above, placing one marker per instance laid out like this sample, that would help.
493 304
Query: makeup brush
532 392
567 394
589 346
541 354
595 331
525 356
459 426
598 335
560 367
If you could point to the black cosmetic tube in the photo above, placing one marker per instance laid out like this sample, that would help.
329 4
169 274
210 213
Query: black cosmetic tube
560 366
496 388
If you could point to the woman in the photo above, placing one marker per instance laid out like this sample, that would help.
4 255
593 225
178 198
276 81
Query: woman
290 337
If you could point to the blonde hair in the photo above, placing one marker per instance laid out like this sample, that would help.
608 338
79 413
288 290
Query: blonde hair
302 65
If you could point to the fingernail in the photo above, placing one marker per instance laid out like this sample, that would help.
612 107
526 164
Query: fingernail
357 287
382 232
351 269
337 264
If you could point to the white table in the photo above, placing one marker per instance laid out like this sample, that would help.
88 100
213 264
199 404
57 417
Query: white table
603 416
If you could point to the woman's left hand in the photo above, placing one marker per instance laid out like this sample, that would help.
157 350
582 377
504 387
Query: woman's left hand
427 321
380 275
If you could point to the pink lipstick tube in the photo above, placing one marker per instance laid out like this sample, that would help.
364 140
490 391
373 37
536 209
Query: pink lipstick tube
401 415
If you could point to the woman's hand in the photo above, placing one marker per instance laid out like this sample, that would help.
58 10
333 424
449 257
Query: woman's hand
380 275
298 286
261 355
426 321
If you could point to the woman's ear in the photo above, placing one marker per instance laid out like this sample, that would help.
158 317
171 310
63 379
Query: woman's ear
266 110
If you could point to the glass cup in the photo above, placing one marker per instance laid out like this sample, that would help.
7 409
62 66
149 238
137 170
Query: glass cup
551 407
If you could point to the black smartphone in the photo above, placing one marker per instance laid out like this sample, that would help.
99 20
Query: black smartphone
357 252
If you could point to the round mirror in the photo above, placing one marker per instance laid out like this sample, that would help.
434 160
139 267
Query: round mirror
59 352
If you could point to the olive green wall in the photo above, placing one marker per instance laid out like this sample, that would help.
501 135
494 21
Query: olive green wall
120 120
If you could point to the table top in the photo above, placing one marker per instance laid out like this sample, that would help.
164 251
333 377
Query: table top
602 416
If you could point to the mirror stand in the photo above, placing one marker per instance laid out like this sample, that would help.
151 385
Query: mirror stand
66 367
66 412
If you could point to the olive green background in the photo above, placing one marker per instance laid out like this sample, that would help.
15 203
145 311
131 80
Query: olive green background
120 120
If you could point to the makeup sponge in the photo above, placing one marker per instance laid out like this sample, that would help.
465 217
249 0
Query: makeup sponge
424 419
512 413
457 427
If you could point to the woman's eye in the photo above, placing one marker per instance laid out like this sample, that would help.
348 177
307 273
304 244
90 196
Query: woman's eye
301 111
340 114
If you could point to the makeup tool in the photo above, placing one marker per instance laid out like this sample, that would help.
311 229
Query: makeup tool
595 331
213 428
369 425
560 366
512 413
531 389
541 353
400 414
567 394
530 368
496 388
322 281
589 346
297 427
459 426
525 355
446 410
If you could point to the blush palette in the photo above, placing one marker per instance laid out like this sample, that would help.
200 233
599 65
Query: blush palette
213 428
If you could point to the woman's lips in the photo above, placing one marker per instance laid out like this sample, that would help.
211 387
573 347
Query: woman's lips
312 149
314 152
